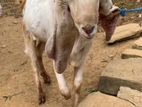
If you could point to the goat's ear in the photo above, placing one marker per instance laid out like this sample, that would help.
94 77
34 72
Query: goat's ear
61 18
108 17
59 45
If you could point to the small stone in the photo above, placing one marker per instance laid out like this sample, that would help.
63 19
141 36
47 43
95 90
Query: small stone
15 22
111 56
131 53
138 44
24 62
98 99
131 95
140 15
104 60
3 46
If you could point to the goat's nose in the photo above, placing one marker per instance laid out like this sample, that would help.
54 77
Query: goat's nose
88 29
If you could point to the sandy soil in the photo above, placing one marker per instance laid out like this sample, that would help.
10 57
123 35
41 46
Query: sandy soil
17 86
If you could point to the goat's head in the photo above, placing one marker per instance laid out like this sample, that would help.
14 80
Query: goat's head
87 13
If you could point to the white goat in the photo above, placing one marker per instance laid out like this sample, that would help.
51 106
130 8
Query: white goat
64 30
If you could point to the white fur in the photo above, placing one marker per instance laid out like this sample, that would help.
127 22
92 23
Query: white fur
39 18
61 82
78 77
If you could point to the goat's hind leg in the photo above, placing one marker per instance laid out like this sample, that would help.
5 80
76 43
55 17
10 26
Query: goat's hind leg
32 50
40 48
43 73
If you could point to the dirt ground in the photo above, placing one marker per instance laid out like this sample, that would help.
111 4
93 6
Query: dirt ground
17 86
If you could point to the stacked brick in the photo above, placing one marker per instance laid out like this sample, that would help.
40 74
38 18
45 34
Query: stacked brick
9 8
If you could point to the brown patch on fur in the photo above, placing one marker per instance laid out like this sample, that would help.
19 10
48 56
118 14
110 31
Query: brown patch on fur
109 23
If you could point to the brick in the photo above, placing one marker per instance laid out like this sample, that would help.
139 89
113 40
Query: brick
131 53
98 99
131 95
138 44
126 32
121 72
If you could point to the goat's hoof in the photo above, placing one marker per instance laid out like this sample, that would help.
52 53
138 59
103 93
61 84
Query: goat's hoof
67 97
42 99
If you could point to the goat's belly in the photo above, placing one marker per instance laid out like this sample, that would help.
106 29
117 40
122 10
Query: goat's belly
39 31
38 18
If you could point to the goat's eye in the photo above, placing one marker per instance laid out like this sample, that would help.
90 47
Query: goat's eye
69 9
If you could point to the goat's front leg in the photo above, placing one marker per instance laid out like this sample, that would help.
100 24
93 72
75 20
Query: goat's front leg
78 56
78 77
62 84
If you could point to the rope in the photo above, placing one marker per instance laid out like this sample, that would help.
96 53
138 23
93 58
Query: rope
123 11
